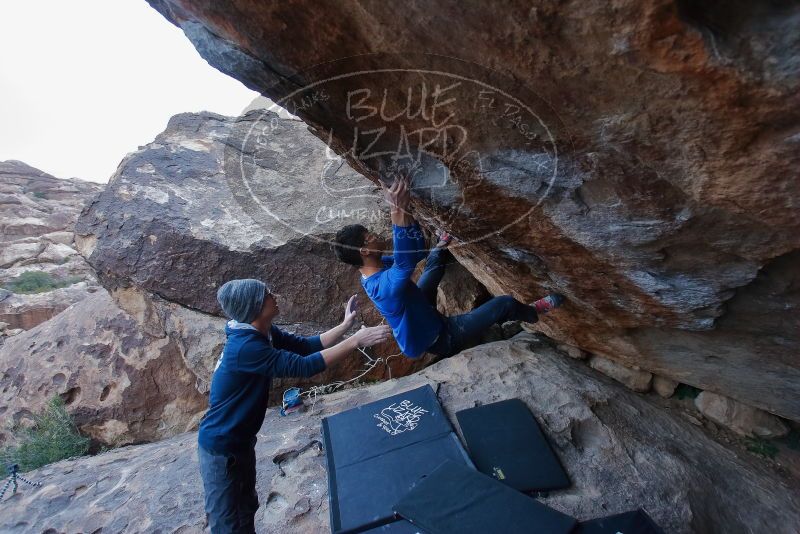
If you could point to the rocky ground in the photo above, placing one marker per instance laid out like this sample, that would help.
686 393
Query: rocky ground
622 450
37 219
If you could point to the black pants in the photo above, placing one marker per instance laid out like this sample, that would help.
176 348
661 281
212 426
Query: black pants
229 482
461 332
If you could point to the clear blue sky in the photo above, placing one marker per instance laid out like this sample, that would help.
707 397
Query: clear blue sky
84 82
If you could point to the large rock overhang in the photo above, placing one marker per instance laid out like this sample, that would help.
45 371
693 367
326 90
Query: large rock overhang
640 157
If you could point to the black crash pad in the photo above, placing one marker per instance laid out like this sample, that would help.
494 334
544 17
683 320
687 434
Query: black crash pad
376 452
505 442
636 522
455 498
385 425
398 527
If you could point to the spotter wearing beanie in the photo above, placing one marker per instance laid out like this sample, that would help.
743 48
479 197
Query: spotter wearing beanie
241 300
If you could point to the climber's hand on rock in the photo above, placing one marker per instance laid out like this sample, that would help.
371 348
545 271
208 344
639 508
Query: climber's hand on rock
373 335
398 196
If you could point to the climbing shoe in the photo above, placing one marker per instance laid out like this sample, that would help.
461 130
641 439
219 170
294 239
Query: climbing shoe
548 303
443 239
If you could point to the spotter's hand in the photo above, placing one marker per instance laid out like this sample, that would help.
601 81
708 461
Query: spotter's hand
350 311
369 336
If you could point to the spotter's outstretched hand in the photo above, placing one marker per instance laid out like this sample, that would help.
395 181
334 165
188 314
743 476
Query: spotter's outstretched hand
369 336
350 311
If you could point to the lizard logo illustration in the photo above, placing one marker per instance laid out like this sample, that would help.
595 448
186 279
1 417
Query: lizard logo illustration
398 418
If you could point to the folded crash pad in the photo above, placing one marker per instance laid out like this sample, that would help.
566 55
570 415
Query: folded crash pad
505 442
376 452
636 522
455 498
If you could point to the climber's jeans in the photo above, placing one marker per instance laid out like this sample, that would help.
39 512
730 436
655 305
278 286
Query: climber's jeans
435 265
229 482
461 332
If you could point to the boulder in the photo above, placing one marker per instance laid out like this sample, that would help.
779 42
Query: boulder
459 292
741 418
573 352
664 386
547 139
121 383
17 252
634 379
187 228
56 253
621 451
65 238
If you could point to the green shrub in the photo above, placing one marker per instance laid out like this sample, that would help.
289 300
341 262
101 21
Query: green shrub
39 194
38 282
52 437
761 447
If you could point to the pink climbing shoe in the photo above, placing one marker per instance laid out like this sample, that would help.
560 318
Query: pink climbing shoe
548 303
444 239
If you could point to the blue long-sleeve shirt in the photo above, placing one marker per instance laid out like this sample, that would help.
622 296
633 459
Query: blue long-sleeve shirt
415 323
240 386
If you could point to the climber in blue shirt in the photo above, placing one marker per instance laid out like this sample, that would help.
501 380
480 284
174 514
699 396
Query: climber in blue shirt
410 308
256 351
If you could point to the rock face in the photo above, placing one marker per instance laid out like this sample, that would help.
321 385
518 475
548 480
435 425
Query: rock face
124 379
37 216
640 157
188 224
686 481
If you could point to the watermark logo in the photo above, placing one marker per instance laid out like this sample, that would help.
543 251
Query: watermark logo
460 133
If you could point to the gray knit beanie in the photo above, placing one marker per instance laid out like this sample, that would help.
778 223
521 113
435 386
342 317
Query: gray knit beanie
241 300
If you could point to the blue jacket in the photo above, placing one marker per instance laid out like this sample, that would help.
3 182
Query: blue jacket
415 323
240 384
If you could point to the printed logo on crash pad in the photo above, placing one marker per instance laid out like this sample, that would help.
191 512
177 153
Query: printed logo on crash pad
498 473
399 417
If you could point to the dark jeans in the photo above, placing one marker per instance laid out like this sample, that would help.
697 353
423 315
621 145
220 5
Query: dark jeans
461 332
435 265
229 482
